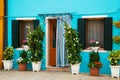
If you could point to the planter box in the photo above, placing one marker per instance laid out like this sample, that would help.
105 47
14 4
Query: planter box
36 66
95 48
75 68
115 71
25 46
21 67
94 71
7 64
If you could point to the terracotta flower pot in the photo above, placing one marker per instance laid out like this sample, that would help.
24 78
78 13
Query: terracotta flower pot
94 71
22 67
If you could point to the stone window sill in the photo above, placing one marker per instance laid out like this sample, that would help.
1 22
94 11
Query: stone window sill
89 50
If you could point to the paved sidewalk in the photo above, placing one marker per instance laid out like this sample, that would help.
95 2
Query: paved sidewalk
49 75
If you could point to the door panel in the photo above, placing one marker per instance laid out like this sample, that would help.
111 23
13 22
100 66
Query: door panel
52 25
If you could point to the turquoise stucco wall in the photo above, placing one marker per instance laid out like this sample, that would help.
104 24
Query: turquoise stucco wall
34 7
78 8
103 58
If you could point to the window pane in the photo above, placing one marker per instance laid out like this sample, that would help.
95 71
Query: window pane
24 29
95 31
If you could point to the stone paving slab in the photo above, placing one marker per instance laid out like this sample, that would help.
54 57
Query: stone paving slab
49 75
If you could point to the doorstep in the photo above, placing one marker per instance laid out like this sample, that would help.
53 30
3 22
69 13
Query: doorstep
63 69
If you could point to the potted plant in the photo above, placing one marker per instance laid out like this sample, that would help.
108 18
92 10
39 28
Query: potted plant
114 58
94 45
22 60
8 58
24 44
73 48
116 39
94 63
35 39
117 24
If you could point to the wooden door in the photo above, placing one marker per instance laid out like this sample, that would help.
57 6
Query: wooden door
52 26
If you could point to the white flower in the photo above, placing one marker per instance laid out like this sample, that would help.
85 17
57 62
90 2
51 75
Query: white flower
77 41
69 32
74 44
65 40
97 42
67 51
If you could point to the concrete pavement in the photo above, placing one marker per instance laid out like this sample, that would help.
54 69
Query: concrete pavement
49 75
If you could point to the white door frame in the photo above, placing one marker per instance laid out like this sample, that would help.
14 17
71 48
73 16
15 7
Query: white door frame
47 39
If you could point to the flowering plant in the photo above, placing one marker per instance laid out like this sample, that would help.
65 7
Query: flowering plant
93 43
72 45
24 42
23 58
95 65
94 60
35 43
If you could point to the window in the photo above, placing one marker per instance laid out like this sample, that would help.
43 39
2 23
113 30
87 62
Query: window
19 30
97 29
24 29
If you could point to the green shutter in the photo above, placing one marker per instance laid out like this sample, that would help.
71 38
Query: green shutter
35 23
108 33
15 33
82 32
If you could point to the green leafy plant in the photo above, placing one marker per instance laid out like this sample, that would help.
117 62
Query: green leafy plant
94 60
114 57
8 53
35 39
72 44
116 39
23 59
117 24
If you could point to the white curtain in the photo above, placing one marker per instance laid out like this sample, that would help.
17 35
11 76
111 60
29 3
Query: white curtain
95 31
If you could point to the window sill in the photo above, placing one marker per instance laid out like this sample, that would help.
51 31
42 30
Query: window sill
89 50
21 48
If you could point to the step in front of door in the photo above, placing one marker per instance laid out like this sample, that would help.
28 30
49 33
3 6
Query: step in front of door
64 69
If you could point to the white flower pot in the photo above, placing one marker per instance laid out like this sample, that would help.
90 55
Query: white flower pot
36 66
25 46
115 70
75 68
7 64
95 49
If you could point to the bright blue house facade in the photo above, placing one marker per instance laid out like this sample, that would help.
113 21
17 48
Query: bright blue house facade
92 19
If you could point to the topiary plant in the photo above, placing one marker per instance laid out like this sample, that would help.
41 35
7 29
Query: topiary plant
94 60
